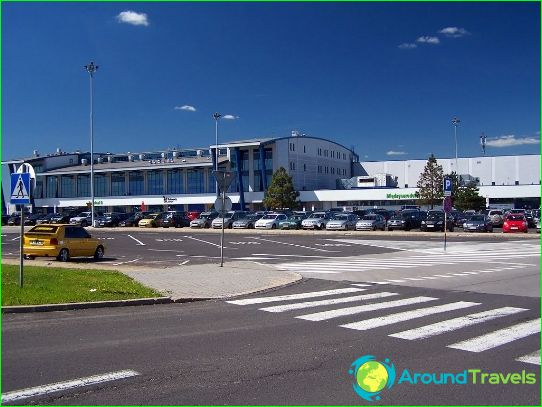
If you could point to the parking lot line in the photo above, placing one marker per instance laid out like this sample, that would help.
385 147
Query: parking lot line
138 241
213 244
66 385
293 244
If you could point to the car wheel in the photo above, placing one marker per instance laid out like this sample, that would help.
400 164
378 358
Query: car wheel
374 228
64 255
452 229
206 226
273 226
28 257
230 226
99 253
84 224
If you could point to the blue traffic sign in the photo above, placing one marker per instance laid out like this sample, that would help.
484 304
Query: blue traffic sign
20 189
447 186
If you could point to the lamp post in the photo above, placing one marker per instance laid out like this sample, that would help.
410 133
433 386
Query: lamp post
455 123
91 68
216 116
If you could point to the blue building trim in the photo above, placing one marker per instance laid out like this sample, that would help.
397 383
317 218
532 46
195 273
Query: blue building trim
240 178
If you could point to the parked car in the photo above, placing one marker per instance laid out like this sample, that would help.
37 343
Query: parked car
537 225
5 219
342 221
46 219
32 219
372 221
204 220
515 223
62 242
247 222
152 220
129 220
270 221
530 218
384 212
191 215
109 219
14 219
293 222
175 219
478 223
496 217
435 221
229 218
83 219
316 220
405 220
61 218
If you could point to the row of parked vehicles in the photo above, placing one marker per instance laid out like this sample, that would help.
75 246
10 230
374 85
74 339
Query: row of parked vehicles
514 220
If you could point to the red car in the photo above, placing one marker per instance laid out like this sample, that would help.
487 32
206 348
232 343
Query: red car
515 223
191 215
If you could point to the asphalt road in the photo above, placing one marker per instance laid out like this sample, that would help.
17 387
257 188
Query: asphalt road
222 353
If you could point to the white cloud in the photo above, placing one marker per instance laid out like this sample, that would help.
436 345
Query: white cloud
391 152
230 117
428 40
407 45
188 108
131 17
454 32
511 141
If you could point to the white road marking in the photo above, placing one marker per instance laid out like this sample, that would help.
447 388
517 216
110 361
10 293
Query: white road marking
533 358
16 238
138 241
407 315
66 385
125 262
288 255
183 263
321 316
205 241
293 244
396 281
253 258
300 296
166 250
498 338
361 285
309 304
456 323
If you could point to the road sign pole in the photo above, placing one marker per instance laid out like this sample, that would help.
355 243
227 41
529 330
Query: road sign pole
21 245
222 233
445 224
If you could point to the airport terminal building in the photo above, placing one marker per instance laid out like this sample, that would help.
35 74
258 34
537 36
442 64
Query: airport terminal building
326 174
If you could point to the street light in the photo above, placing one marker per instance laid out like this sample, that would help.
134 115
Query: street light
216 116
91 69
455 123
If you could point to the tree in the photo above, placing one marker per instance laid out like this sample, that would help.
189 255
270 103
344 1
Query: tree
430 183
468 197
281 193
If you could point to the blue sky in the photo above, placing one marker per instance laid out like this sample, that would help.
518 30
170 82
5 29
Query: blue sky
387 78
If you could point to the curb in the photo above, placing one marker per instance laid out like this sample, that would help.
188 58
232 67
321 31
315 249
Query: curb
84 305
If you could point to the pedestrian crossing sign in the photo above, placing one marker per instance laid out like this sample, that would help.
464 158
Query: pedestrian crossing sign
20 188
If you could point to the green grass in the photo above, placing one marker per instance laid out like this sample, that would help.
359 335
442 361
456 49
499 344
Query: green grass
49 285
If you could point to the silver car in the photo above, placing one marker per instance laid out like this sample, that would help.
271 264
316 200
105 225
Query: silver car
342 221
316 220
371 222
496 217
204 220
246 222
229 218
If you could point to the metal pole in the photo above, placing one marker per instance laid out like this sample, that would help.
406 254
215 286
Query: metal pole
445 224
21 246
222 234
91 69
455 122
216 116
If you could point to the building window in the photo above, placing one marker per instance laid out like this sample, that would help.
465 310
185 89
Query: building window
101 187
332 154
319 151
304 149
155 182
327 170
67 186
38 191
136 183
292 165
52 186
325 153
195 181
292 147
268 159
332 170
118 184
83 186
304 167
344 156
319 169
175 182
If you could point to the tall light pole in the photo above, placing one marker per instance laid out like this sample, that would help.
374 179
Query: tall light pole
216 116
456 122
91 69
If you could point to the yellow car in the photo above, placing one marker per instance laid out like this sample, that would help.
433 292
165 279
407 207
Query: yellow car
62 242
150 221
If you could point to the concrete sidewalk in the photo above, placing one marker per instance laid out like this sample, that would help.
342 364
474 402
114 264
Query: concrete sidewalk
206 281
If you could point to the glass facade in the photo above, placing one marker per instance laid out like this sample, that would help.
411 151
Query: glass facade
52 187
195 182
136 183
155 182
38 191
83 185
67 186
175 182
101 185
211 182
118 184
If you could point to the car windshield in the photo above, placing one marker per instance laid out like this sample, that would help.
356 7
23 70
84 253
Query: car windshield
204 216
269 217
435 215
316 216
369 217
515 217
151 216
341 216
296 217
84 214
227 215
477 218
43 229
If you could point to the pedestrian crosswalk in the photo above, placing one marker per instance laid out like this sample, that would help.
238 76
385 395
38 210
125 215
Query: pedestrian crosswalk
362 307
510 254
